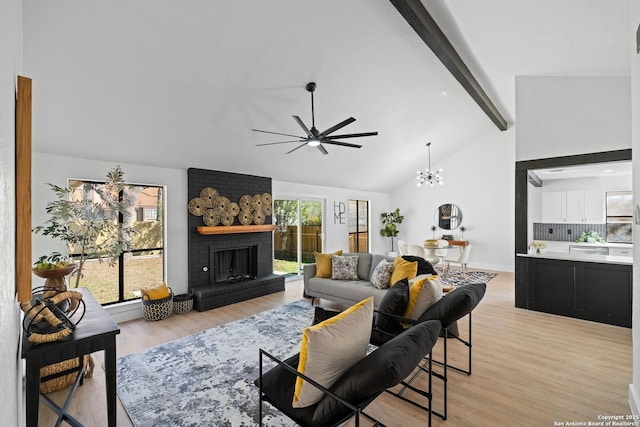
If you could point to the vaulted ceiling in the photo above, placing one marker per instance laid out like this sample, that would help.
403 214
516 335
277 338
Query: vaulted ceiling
181 84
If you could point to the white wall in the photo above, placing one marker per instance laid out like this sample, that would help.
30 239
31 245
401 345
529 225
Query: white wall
11 401
634 388
336 234
479 178
561 116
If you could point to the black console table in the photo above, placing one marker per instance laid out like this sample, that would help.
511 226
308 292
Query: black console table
97 331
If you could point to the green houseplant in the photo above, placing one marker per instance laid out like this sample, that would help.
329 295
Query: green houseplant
590 237
389 220
86 220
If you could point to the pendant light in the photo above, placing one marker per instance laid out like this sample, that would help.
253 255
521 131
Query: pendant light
429 176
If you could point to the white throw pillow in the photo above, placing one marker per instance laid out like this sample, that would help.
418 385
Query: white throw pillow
381 275
331 347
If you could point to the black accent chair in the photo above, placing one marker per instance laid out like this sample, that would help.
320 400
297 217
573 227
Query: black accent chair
383 368
448 310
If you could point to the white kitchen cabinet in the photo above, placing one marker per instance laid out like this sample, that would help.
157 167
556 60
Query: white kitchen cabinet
585 207
573 207
554 206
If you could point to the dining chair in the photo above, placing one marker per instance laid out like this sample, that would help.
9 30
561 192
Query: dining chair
462 259
402 247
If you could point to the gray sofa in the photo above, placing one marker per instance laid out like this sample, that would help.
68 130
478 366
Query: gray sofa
348 292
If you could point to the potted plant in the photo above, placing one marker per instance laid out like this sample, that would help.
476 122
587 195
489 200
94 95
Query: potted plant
85 223
389 220
590 237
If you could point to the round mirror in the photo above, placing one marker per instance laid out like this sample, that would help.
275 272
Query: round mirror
448 216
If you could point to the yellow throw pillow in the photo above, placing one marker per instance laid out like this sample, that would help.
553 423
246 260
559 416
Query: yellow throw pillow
423 293
323 264
403 269
158 292
330 348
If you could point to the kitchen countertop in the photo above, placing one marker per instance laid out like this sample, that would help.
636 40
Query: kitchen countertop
581 257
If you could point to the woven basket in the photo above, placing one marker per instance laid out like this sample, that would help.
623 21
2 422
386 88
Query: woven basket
183 303
60 383
157 309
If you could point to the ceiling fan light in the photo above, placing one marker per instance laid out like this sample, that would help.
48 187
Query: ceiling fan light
314 142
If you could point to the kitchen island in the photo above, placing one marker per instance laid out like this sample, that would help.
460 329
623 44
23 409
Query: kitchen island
584 286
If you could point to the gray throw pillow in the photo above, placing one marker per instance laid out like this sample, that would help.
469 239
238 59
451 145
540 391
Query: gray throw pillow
344 267
382 274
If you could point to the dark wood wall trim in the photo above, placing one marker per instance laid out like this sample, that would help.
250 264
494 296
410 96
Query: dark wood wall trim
521 200
421 21
23 189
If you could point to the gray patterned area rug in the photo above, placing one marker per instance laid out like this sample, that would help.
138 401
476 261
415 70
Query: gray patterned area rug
455 277
206 379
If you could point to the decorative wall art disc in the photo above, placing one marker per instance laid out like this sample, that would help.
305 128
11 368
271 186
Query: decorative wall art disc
258 217
211 217
226 219
245 217
245 202
222 203
233 209
209 195
266 199
256 202
196 206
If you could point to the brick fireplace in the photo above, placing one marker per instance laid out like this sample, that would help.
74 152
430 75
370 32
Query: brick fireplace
228 268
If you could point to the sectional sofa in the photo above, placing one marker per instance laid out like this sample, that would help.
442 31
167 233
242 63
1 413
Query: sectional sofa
348 292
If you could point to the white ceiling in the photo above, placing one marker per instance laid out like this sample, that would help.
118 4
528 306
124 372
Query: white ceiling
181 84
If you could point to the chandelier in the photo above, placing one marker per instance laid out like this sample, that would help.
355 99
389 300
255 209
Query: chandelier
429 176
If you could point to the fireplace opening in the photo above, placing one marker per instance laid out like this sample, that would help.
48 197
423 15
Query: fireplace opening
234 264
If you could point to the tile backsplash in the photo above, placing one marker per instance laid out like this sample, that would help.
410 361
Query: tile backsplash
565 232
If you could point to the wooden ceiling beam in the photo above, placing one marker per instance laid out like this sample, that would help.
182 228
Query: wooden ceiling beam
421 21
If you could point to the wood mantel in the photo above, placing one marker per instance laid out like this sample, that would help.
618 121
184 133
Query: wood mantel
234 229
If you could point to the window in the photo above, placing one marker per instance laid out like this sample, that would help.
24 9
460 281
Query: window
358 226
150 214
140 266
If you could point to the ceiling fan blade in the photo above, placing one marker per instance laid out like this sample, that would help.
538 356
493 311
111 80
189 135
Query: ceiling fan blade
299 146
322 149
280 142
354 135
303 126
344 144
278 133
338 126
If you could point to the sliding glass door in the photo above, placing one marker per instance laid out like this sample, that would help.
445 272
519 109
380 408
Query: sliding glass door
298 234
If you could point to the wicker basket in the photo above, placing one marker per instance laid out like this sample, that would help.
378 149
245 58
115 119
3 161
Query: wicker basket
157 309
64 381
183 303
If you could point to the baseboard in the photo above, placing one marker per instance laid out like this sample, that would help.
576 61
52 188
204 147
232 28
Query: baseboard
125 311
509 268
634 402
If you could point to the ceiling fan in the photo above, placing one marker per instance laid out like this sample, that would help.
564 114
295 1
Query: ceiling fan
314 138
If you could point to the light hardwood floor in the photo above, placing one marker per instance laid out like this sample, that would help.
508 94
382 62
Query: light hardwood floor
529 368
